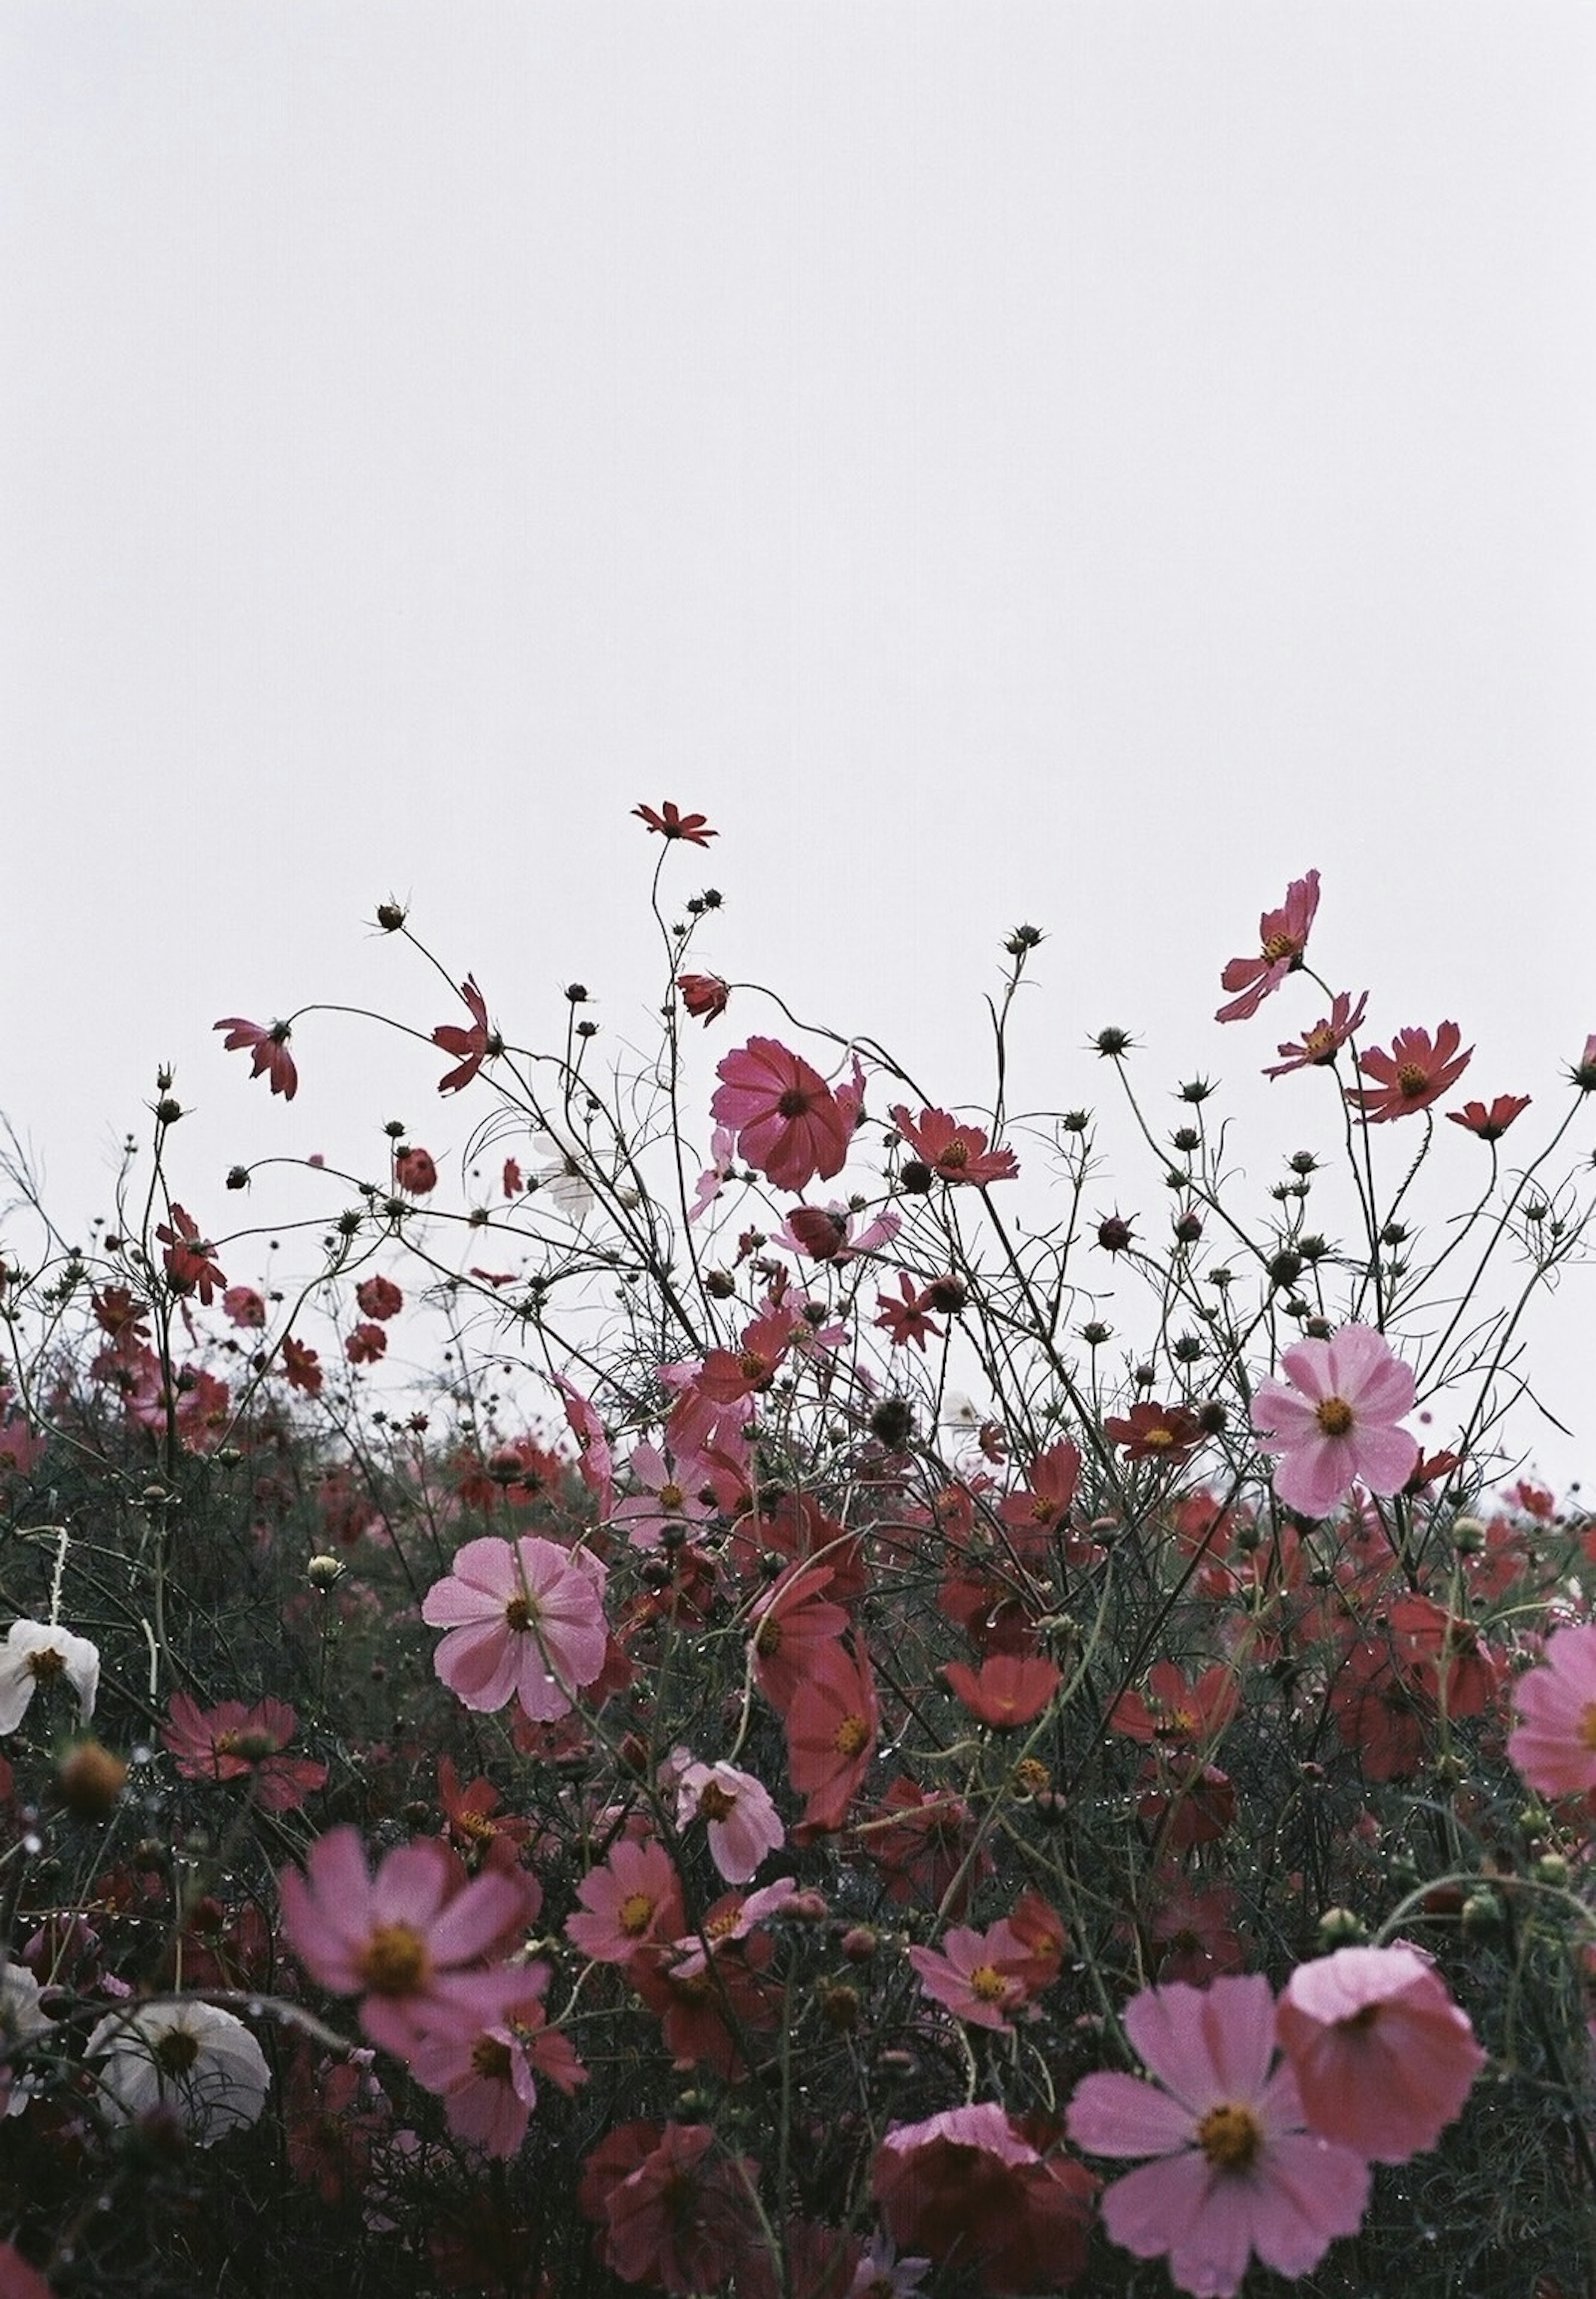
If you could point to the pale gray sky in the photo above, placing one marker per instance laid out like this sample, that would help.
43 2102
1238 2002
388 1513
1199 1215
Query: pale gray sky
1084 463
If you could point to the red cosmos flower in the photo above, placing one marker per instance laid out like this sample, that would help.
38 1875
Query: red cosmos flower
791 1626
472 1046
788 1121
415 1172
269 1048
187 1257
671 823
957 1153
117 1312
1037 1508
1377 1713
486 1841
366 1344
923 1846
1194 1934
231 1742
675 2215
1491 1124
968 2186
378 1297
1325 1041
704 995
1412 1074
831 1729
1175 1713
302 1367
1156 1432
1005 1692
1283 934
907 1320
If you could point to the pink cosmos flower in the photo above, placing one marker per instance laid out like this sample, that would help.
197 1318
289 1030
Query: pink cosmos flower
744 1824
635 1897
232 1742
246 1308
1383 2058
1554 1742
415 1172
486 2079
1236 2172
1320 1045
405 1939
1284 935
955 1152
596 1463
723 1148
1491 1124
976 1975
1337 1422
268 1049
1413 1074
788 1121
664 1499
525 1622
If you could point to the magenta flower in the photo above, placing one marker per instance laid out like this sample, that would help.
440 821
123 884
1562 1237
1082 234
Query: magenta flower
1413 1074
1338 1421
404 1939
788 1121
1321 1044
1554 1742
1283 937
525 1622
1383 2058
1236 2171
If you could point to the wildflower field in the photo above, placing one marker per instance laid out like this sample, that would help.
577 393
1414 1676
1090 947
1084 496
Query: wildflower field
749 1686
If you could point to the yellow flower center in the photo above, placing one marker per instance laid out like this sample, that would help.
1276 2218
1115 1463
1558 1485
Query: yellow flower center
671 1497
394 1961
1230 2137
987 1983
1334 1415
634 1914
1411 1078
851 1736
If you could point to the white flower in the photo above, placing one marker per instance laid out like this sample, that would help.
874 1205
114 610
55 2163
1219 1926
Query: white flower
21 2021
34 1654
186 2055
563 1173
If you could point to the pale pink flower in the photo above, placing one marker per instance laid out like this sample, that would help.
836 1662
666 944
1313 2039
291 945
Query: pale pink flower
525 1622
1554 1742
744 1824
723 1156
485 2078
1383 2058
664 1499
635 1897
732 1919
405 1939
1338 1421
1236 2171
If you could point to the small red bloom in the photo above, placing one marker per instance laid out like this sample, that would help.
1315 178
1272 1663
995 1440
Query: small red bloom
1156 1432
366 1344
831 1729
704 995
908 1319
671 823
1283 934
415 1172
1005 1692
302 1366
1491 1124
269 1048
1325 1041
378 1297
470 1047
957 1153
231 1742
1412 1074
187 1257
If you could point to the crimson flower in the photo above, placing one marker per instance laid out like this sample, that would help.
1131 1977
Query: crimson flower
1284 935
908 1319
704 995
302 1366
366 1344
788 1121
187 1257
245 1306
415 1172
232 1742
1491 1124
269 1049
1412 1074
968 2186
378 1297
957 1153
675 2214
472 1047
671 823
1156 1432
1325 1041
831 1729
1007 1689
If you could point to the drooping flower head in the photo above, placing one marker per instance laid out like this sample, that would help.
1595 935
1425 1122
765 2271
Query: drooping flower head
1235 2170
1283 937
968 2186
1336 1423
35 1654
268 1049
1383 2058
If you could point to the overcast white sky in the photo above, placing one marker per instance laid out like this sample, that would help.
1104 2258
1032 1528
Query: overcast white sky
1084 463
